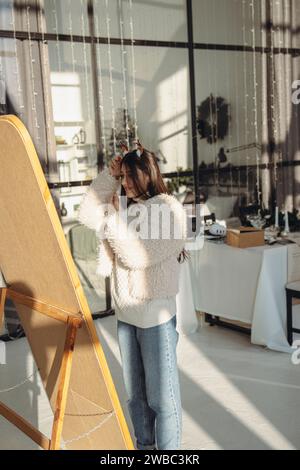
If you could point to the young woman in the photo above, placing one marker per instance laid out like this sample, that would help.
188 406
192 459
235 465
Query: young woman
144 276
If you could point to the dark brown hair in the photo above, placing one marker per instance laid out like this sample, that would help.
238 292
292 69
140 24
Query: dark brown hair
146 161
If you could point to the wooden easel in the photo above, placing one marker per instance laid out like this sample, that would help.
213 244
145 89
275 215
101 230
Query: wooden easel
73 321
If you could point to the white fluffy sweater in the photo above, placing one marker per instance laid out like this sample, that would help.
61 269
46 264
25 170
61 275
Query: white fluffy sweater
140 269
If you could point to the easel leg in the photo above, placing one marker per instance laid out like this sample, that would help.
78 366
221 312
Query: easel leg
65 373
3 292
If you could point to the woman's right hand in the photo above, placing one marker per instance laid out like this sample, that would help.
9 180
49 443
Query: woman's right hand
115 167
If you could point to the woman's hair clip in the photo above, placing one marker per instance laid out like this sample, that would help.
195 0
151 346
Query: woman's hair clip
140 148
124 148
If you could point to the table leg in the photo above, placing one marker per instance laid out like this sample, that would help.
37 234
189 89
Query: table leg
289 317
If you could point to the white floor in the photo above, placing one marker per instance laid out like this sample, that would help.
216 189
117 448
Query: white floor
234 395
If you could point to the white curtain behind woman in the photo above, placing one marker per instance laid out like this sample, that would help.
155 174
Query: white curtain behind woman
281 126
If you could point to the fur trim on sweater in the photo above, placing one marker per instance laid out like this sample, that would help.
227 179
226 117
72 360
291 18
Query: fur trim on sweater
141 269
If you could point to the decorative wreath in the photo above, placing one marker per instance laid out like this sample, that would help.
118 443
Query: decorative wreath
213 119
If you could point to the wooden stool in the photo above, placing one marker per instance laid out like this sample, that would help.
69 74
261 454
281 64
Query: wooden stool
292 292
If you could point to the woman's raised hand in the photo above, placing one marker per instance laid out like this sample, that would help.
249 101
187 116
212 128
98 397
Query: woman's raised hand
115 166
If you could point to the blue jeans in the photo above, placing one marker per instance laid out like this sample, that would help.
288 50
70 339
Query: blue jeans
152 384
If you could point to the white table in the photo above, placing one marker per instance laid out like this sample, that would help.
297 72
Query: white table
246 285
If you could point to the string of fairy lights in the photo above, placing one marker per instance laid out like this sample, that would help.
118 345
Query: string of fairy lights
273 93
215 121
124 72
290 109
17 69
255 99
2 82
57 42
135 125
293 110
110 66
72 44
86 72
239 115
74 61
280 81
32 74
58 55
210 71
174 89
45 68
100 88
230 134
280 78
246 97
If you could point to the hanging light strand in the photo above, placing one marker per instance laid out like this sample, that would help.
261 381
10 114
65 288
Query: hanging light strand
230 136
55 29
246 94
71 36
74 61
176 117
101 98
210 71
124 70
273 94
280 85
86 75
113 111
258 188
215 131
57 42
2 82
291 111
133 71
288 16
45 68
17 71
32 62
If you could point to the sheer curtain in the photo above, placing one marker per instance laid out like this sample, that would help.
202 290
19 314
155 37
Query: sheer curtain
281 125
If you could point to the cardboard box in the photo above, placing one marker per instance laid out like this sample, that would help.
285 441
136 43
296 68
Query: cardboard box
245 237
